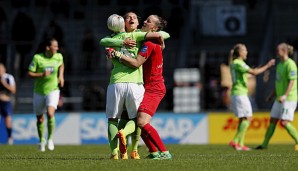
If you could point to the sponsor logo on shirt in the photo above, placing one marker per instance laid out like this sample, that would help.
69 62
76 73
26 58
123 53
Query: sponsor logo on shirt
293 73
144 49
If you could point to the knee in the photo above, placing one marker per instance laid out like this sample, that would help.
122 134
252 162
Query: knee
40 120
141 123
284 123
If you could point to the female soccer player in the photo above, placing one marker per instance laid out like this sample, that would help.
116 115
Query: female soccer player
48 70
150 56
240 101
286 95
125 125
125 89
7 88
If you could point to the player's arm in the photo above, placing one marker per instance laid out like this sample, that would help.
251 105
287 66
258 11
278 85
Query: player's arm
157 36
61 75
10 87
112 42
164 34
133 62
285 95
257 71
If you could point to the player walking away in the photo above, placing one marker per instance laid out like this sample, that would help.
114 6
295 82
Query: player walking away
239 95
48 70
150 56
125 89
7 89
286 95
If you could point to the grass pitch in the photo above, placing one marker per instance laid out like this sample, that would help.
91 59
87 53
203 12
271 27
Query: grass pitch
185 157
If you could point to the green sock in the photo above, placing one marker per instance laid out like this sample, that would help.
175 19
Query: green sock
40 128
243 128
236 137
113 139
51 127
135 138
269 134
129 127
292 131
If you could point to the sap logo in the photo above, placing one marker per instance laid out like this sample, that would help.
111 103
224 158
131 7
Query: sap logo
24 129
174 128
92 128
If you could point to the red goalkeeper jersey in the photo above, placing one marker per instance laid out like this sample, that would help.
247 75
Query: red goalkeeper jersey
153 67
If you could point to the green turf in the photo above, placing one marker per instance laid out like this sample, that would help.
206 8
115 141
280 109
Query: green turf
185 157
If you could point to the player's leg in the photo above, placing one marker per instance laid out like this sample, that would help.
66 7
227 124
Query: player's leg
243 110
114 109
133 99
287 116
135 138
242 131
149 132
52 101
6 111
274 117
39 109
112 135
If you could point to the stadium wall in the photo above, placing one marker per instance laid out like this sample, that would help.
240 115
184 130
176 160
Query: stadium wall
199 128
91 128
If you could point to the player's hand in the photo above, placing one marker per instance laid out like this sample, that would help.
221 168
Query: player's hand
61 81
46 73
109 53
271 63
282 98
128 42
269 98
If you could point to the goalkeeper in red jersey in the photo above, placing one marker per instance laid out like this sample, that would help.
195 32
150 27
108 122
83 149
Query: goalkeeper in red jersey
150 56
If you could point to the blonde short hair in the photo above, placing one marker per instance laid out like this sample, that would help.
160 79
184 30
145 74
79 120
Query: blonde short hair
116 23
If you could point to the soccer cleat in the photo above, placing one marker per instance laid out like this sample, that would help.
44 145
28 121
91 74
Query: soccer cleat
122 142
260 147
42 146
153 155
296 147
236 146
114 157
123 156
135 155
51 145
245 148
10 141
164 156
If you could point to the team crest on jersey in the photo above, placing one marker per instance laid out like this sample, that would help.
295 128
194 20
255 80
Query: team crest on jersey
144 49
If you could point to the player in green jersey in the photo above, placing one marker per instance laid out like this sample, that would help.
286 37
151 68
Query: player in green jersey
126 85
48 70
131 25
239 94
285 92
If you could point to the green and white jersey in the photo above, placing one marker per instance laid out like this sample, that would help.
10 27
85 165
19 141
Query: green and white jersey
41 63
120 72
239 71
285 72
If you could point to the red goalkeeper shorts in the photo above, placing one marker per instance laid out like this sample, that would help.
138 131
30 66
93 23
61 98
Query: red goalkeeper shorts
154 92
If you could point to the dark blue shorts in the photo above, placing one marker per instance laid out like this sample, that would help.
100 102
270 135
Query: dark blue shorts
5 108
